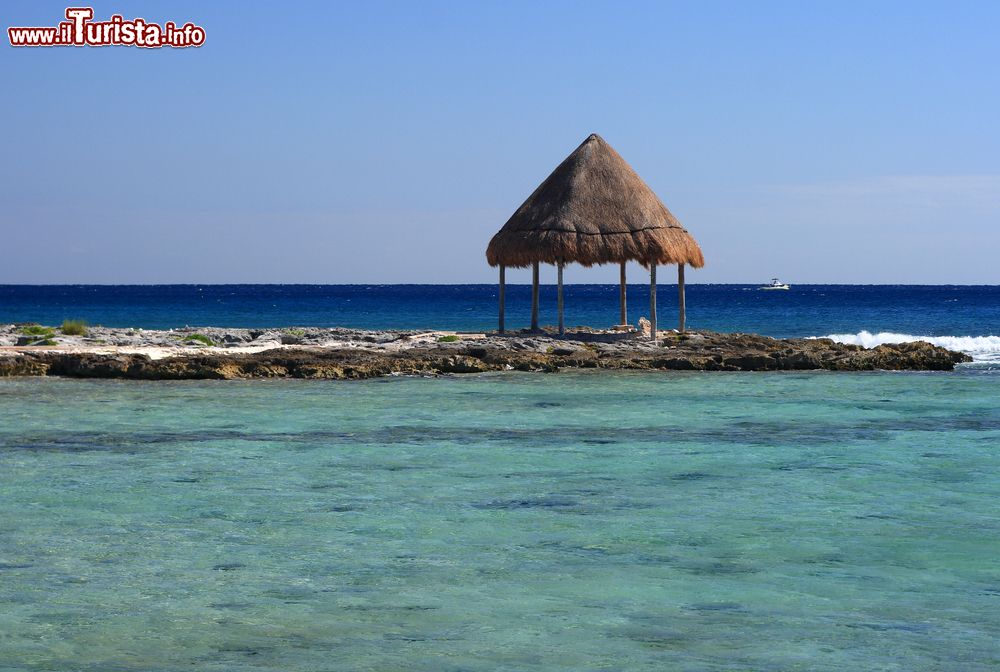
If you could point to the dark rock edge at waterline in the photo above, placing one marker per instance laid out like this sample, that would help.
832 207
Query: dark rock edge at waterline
698 352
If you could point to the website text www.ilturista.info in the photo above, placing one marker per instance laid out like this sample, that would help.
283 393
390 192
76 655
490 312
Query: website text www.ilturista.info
79 30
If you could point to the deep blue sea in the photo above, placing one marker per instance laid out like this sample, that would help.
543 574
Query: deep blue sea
865 314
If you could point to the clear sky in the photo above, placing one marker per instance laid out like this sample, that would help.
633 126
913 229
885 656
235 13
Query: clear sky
338 142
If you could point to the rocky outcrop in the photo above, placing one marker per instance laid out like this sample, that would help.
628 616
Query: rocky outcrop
688 352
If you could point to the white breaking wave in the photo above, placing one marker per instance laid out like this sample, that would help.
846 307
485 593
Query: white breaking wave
980 348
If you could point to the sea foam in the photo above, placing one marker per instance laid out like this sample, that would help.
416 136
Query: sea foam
980 348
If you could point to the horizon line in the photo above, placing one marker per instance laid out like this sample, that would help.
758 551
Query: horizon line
474 284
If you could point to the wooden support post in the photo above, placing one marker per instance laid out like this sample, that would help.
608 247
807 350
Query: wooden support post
534 296
652 300
559 299
502 287
621 298
680 295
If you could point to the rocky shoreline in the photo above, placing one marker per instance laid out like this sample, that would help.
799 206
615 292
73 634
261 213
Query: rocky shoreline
213 353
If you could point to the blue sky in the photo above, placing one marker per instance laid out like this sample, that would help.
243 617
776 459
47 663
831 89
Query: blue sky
387 141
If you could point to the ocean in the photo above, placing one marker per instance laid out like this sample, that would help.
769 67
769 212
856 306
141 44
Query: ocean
583 520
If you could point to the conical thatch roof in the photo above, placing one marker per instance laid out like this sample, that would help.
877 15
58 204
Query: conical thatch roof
593 209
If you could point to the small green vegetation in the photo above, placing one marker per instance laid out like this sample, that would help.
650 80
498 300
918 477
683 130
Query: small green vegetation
47 341
295 332
37 330
74 327
673 339
199 338
451 338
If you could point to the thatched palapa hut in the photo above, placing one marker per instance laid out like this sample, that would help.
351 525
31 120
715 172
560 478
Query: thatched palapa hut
593 209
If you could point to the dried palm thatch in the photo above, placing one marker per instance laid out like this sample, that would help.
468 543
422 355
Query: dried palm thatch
593 209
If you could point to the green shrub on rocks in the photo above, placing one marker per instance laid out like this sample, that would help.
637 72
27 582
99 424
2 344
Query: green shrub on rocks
199 338
448 339
37 330
74 328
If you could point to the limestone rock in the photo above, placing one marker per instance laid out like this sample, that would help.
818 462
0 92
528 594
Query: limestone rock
352 356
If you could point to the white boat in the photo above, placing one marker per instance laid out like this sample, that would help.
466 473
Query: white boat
776 284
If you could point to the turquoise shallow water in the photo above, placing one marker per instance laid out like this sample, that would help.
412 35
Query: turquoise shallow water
575 521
